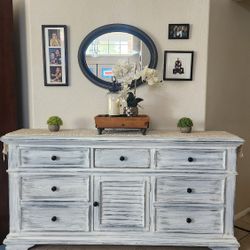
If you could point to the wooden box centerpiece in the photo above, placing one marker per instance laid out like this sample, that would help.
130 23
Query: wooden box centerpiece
140 122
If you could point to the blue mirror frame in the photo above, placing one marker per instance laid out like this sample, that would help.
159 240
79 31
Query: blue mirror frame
116 27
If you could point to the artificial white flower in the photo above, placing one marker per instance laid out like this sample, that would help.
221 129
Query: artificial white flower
150 76
126 72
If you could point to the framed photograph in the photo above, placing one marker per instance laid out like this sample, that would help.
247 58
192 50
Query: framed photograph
55 58
178 31
178 65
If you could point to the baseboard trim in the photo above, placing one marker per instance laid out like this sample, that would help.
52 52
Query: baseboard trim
241 214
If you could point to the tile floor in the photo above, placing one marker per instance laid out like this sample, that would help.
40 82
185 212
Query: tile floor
242 236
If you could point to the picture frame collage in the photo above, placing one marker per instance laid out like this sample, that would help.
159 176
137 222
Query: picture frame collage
178 65
54 39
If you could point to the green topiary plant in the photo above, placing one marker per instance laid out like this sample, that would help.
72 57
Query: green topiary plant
55 120
185 124
54 123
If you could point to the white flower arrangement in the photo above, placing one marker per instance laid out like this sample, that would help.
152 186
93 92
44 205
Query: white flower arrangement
126 72
126 75
149 76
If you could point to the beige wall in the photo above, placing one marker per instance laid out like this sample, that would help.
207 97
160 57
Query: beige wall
81 101
228 83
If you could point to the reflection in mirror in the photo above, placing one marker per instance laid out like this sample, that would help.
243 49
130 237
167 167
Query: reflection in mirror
109 49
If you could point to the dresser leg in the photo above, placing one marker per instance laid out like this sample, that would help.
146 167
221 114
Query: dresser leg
18 247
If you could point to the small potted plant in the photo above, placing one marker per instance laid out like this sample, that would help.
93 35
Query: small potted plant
54 123
185 124
132 104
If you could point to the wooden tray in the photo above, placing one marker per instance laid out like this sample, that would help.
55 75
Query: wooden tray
140 122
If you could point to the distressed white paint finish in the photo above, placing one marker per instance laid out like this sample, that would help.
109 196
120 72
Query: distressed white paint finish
123 203
143 202
54 187
18 247
43 156
203 220
122 158
69 217
197 189
166 158
224 248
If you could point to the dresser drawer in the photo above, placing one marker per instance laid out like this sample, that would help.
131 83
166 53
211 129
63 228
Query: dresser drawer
54 156
55 217
209 159
122 158
189 190
189 220
55 187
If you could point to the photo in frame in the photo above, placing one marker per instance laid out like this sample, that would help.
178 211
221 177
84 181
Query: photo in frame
178 65
55 58
178 31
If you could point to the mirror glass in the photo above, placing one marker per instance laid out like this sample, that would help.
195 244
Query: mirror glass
108 49
110 44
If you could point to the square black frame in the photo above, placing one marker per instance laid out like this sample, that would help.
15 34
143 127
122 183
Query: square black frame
171 34
49 47
166 53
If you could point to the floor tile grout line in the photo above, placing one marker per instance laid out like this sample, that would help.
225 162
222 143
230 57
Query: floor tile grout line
244 237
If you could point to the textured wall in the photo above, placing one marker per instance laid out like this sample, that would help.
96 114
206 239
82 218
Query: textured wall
81 101
228 87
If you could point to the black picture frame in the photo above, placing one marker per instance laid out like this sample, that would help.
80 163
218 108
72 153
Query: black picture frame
55 55
178 65
178 31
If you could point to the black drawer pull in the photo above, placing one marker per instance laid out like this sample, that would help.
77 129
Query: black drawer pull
53 158
96 204
54 188
188 220
122 158
190 159
54 218
189 190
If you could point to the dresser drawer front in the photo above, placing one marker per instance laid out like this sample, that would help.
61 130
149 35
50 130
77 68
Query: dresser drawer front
55 217
122 158
189 190
54 187
54 156
209 159
189 220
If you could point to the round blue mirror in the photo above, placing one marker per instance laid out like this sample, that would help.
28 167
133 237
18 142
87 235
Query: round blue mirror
105 46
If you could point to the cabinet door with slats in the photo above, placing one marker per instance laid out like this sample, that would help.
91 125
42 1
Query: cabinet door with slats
121 203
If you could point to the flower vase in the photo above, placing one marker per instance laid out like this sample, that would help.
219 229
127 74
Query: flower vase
131 111
113 104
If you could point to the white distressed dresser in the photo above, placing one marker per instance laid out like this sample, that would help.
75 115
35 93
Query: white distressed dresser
163 189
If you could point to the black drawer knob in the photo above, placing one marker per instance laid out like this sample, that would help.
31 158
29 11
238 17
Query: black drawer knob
54 188
190 159
96 204
53 158
54 218
189 190
122 158
188 220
